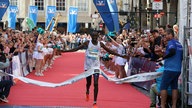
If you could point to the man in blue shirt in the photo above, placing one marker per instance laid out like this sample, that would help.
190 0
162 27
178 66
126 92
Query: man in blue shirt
172 68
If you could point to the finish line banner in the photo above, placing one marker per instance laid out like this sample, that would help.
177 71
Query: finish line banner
72 19
3 7
142 65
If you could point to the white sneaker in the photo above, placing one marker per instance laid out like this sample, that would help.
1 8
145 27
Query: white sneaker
118 82
4 99
111 72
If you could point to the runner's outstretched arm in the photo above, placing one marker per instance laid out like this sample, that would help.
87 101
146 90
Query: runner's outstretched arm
85 44
112 52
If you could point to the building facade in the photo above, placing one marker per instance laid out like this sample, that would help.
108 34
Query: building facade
138 12
141 15
85 9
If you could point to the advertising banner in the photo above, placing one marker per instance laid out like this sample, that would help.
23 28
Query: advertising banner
3 7
103 9
72 19
33 11
50 13
12 10
114 12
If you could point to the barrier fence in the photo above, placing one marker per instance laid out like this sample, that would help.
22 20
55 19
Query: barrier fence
20 65
141 65
187 69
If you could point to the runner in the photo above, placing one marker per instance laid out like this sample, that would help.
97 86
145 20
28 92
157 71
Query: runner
92 60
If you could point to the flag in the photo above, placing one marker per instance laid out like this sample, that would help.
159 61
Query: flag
33 11
30 23
113 10
12 10
3 7
126 26
72 19
51 10
103 9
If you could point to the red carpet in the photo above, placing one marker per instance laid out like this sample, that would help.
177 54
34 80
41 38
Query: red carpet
110 95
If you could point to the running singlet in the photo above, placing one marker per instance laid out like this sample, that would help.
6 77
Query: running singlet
92 56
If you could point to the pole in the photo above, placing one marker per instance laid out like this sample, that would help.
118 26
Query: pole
157 19
140 15
168 10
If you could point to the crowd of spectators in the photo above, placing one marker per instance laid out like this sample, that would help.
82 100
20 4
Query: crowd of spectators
42 49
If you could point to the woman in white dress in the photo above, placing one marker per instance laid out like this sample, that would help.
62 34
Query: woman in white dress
119 61
39 57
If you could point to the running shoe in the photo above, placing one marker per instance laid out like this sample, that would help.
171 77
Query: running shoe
4 99
87 97
153 105
95 105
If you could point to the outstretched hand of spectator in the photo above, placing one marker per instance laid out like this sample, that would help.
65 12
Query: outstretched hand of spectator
160 59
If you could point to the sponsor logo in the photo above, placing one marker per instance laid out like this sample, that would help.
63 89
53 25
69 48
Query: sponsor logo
13 10
100 2
33 10
3 5
73 12
51 10
111 1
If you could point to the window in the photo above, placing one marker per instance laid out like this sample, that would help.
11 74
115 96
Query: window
126 5
60 5
13 2
82 5
39 4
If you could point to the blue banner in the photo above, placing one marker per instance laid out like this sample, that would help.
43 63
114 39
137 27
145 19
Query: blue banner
72 19
127 26
12 10
114 12
3 7
103 9
33 11
51 10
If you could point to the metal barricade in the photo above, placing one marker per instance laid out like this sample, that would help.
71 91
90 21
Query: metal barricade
186 94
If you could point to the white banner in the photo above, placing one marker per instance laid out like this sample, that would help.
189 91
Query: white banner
134 78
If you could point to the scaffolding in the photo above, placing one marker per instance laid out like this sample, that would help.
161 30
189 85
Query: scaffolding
186 88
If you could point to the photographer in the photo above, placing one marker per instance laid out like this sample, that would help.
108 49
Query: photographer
5 85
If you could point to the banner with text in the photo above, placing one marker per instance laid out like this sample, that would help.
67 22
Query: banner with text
113 10
51 10
3 7
72 19
103 9
33 11
12 10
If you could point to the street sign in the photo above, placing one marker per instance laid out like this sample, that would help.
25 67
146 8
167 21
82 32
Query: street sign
95 16
101 25
157 15
157 5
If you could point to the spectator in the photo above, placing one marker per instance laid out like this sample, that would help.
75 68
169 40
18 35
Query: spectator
157 42
173 63
176 31
5 85
155 88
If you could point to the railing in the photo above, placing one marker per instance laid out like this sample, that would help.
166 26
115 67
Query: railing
186 92
21 65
